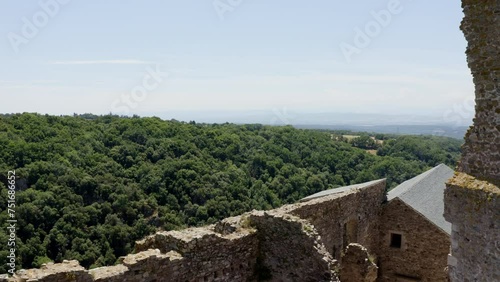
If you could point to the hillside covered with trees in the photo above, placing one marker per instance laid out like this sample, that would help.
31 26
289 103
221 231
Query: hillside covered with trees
89 186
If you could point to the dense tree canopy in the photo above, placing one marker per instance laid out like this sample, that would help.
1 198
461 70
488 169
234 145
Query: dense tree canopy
89 186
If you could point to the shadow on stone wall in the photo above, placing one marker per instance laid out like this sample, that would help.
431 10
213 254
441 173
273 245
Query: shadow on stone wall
292 243
472 202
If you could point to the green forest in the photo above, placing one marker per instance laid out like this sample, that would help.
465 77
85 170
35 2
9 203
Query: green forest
88 187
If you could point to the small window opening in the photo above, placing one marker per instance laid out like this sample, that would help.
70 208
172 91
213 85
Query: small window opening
396 240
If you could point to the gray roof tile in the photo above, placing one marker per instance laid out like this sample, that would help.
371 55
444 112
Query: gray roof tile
425 194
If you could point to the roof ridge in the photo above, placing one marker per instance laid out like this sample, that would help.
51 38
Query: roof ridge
424 194
422 176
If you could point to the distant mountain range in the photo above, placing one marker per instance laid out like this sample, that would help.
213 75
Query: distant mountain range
379 123
457 132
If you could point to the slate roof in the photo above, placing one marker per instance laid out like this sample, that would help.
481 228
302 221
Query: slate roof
425 194
341 189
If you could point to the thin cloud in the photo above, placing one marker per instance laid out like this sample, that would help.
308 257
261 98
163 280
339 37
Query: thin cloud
29 83
102 62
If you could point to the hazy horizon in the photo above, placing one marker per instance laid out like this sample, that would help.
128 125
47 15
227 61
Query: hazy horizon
186 59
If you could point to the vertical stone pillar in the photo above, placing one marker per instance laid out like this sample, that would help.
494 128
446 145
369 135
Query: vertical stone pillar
481 27
472 196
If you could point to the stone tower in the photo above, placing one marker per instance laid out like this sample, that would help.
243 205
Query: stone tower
472 195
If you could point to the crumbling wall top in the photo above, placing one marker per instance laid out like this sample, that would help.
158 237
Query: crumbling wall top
481 151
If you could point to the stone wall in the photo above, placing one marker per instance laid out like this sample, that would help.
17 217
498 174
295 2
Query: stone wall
424 248
481 27
196 254
357 265
65 271
350 219
290 249
208 255
471 196
291 243
473 208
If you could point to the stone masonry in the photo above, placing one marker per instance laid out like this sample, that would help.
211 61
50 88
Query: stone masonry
481 27
424 248
481 151
472 202
352 220
358 266
291 243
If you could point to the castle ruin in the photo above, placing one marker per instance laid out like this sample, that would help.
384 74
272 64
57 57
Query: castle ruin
351 233
472 196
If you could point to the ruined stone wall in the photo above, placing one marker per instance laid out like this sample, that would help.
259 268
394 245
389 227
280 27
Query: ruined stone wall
290 249
209 255
286 244
472 196
481 27
346 218
196 254
424 248
65 271
358 265
473 208
303 251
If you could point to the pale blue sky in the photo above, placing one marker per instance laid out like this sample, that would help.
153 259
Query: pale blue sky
257 55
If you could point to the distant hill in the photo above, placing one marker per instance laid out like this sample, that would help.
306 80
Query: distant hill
457 132
377 123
